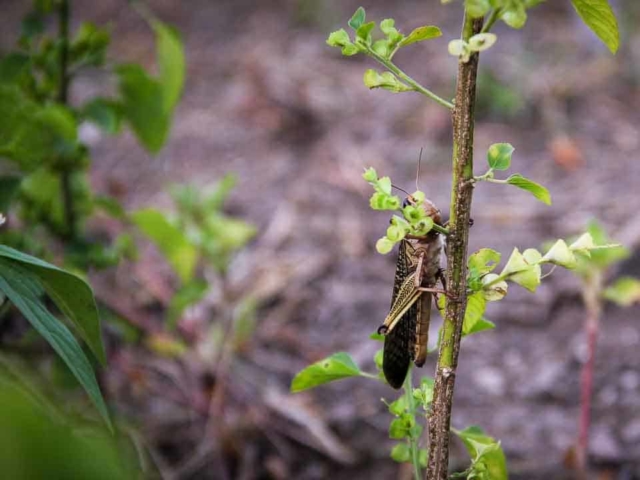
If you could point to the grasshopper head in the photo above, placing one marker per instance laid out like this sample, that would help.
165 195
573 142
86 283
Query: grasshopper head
429 207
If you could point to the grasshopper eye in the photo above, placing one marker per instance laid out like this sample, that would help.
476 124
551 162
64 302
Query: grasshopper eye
407 202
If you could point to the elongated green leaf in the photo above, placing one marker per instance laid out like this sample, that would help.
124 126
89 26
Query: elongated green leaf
144 106
181 254
22 287
426 32
335 367
537 190
72 295
499 155
485 448
483 261
172 64
599 17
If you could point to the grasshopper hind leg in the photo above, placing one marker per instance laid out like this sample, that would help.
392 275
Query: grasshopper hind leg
398 349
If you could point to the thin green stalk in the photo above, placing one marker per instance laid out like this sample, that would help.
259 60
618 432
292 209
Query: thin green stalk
457 244
413 442
493 17
408 80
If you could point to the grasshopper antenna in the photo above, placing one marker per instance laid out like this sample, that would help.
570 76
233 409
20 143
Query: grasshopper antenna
418 172
401 189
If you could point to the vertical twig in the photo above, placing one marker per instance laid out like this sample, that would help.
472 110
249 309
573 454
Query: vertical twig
457 241
63 98
413 442
591 294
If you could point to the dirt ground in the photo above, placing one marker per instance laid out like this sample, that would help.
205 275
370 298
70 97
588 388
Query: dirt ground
267 99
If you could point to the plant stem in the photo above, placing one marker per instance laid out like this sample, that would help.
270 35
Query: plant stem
591 295
493 17
408 80
63 98
413 442
457 244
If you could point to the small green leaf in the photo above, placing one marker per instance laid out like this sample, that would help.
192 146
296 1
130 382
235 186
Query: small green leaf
481 325
187 295
387 80
477 8
395 233
364 31
378 358
420 34
339 38
493 292
181 254
483 261
515 16
384 185
384 246
476 305
418 197
559 254
388 26
105 113
538 191
482 41
399 406
22 287
401 453
499 156
398 429
599 17
72 295
381 47
459 48
624 292
335 367
413 214
370 175
357 19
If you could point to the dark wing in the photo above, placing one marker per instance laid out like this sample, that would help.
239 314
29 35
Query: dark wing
399 343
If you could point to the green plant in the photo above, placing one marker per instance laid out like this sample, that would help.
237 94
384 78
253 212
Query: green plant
46 162
592 271
470 283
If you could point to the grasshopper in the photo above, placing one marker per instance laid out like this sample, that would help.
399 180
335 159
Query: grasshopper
406 327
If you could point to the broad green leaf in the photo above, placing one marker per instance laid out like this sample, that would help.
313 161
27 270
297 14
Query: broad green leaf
401 453
481 446
335 367
384 246
483 261
387 80
171 61
72 295
9 187
476 305
181 254
481 325
624 292
22 287
529 278
399 406
381 47
599 17
499 156
537 190
144 106
339 38
105 113
420 34
357 19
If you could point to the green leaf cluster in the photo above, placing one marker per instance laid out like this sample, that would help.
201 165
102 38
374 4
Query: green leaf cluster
488 461
413 219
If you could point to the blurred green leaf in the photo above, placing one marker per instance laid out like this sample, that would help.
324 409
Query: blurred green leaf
477 8
538 191
13 66
9 187
499 156
89 45
599 17
72 295
187 295
181 254
335 367
105 113
514 14
143 106
624 292
23 288
172 65
398 429
401 453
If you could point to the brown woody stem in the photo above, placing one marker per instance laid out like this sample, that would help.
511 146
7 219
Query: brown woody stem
457 241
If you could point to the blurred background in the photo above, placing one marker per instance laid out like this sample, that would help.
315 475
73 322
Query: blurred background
279 125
